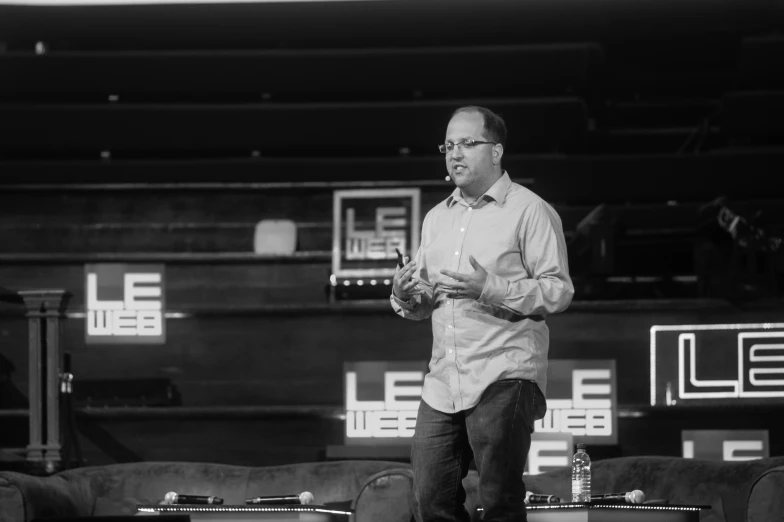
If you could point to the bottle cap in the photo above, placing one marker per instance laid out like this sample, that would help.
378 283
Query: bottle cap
581 445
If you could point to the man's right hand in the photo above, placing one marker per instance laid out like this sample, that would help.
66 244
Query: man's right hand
403 286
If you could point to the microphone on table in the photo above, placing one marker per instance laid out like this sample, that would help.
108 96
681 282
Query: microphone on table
173 498
630 497
534 498
306 497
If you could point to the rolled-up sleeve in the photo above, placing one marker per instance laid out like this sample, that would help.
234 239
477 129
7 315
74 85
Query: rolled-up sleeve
420 306
548 289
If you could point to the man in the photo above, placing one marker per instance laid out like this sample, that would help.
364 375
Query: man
492 263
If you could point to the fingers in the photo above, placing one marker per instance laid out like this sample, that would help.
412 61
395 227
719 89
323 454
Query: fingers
405 273
409 269
403 284
459 290
455 288
458 295
408 286
454 275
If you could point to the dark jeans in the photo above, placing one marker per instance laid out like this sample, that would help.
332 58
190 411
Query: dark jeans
496 433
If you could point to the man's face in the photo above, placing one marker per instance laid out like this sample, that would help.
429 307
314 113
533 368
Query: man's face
468 166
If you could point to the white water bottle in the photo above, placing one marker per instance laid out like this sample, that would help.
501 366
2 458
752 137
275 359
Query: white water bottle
581 475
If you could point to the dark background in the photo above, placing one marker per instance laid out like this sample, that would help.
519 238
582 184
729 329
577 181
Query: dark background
164 134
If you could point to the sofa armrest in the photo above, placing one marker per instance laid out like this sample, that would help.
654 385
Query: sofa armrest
766 502
25 497
385 497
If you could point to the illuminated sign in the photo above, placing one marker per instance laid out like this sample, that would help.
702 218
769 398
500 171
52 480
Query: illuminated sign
368 226
719 363
125 304
382 400
581 400
549 451
729 445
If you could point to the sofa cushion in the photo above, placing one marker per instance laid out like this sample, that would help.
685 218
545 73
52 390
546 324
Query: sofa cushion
149 482
678 480
115 489
25 497
385 496
766 499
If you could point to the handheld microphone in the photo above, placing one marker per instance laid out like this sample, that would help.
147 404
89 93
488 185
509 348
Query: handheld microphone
630 497
401 259
173 498
534 498
306 497
447 178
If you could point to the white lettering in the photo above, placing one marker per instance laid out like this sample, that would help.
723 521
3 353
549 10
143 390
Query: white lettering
92 296
756 354
551 423
138 314
751 379
406 423
716 388
730 447
598 423
352 403
380 423
580 389
124 322
351 228
383 423
578 422
375 248
392 390
537 462
356 425
390 221
132 292
149 322
99 322
688 449
573 421
379 243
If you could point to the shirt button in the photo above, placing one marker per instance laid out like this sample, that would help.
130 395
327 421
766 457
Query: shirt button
449 302
450 351
470 209
450 326
457 253
462 230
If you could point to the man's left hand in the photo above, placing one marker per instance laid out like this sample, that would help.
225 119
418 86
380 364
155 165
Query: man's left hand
467 286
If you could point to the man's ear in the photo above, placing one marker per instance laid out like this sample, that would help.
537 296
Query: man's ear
498 153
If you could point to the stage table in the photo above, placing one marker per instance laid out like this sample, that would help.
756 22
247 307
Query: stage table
249 513
590 512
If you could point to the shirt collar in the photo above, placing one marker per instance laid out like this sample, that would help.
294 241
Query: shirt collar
497 192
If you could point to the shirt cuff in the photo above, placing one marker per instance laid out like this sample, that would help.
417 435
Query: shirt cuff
494 291
408 305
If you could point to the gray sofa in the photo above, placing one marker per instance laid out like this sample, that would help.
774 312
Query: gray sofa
381 491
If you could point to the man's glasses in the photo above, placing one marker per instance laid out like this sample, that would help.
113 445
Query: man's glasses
465 144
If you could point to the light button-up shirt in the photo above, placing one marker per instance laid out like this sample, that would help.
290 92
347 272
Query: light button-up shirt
518 238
